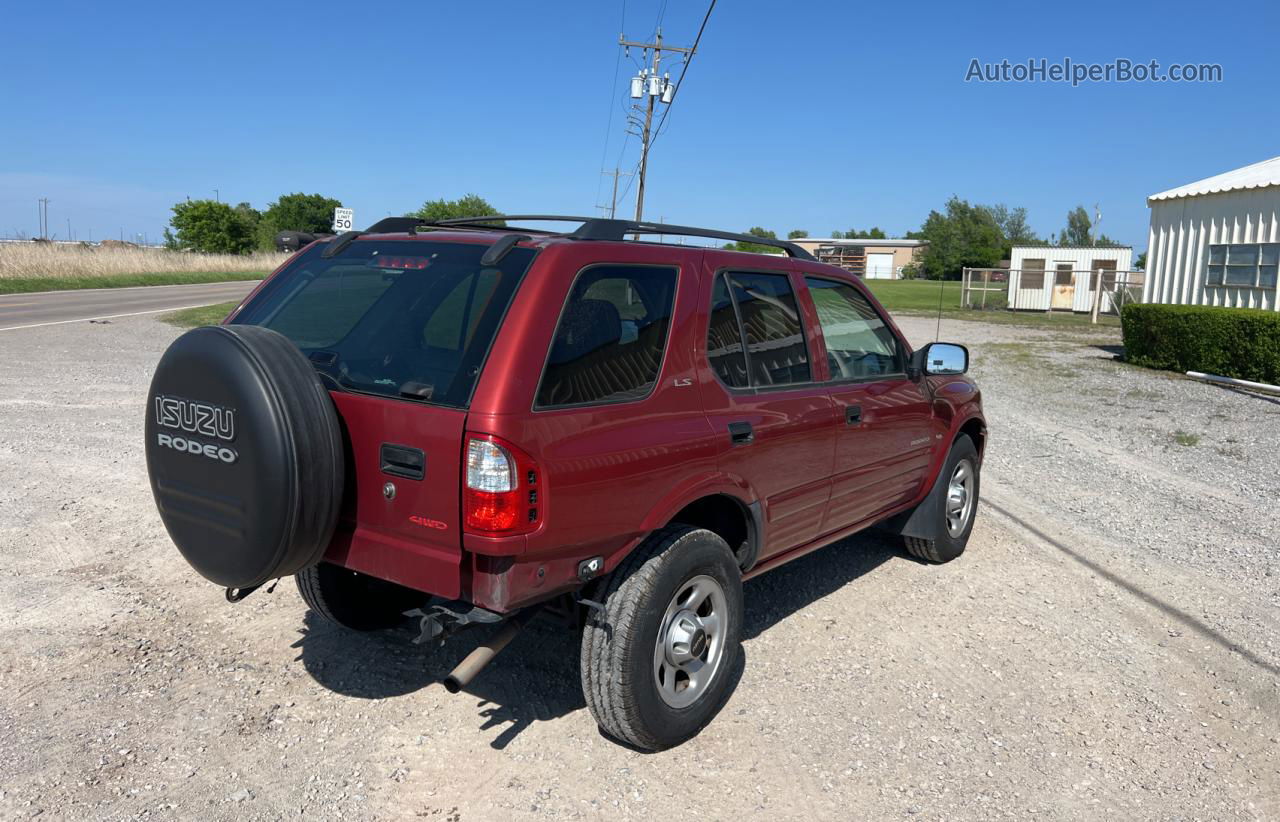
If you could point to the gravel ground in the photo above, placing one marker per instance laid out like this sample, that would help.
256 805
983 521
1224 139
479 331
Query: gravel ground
1108 647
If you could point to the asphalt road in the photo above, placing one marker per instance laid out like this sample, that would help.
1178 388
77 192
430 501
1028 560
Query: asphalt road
57 307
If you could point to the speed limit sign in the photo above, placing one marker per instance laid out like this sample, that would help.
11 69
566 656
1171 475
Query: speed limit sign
343 219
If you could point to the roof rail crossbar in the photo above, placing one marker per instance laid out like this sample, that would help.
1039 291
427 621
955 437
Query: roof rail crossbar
618 229
537 218
397 225
589 228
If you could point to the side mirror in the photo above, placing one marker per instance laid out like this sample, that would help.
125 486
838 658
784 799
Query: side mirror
940 359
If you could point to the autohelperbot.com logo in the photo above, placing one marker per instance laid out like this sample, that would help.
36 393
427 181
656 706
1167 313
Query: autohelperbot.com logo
1066 70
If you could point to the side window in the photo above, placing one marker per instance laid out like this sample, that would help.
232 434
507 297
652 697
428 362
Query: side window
776 352
724 338
611 337
859 344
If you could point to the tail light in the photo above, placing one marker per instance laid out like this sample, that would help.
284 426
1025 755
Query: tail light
501 489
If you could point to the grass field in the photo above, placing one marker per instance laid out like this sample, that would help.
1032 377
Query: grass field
922 297
30 267
194 317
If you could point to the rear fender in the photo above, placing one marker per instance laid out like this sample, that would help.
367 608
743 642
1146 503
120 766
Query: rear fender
733 487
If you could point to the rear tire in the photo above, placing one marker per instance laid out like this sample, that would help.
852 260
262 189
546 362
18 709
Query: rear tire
957 484
354 600
661 660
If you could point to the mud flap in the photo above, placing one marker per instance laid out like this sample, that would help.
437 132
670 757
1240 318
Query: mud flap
921 521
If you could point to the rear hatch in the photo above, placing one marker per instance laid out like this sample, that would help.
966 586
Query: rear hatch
399 329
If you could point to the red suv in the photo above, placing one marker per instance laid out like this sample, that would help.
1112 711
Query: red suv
473 421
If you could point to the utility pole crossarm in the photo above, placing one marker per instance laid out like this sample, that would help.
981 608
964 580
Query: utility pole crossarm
658 45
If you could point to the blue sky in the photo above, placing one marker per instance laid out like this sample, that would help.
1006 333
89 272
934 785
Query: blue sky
820 115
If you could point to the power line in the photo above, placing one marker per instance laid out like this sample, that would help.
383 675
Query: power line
684 70
613 88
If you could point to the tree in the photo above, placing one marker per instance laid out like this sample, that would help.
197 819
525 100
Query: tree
875 233
210 226
965 235
468 205
1077 230
797 234
1141 263
1013 225
309 213
756 248
251 217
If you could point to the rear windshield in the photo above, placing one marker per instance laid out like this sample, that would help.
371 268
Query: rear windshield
402 319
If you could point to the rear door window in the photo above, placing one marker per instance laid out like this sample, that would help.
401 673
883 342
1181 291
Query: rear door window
859 343
776 350
725 351
611 337
405 319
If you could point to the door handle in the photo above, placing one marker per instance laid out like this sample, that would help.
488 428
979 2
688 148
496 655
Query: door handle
741 433
402 461
852 414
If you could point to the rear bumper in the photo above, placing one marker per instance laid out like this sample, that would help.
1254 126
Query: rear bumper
424 567
500 583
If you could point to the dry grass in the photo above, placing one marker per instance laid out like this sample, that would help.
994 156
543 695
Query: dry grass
20 261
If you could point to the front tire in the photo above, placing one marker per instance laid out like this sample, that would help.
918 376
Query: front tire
660 662
354 600
957 507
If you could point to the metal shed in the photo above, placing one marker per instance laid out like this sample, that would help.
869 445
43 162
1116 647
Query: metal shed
1217 241
1050 277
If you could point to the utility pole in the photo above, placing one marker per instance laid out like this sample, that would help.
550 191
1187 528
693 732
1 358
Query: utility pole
613 200
217 196
651 84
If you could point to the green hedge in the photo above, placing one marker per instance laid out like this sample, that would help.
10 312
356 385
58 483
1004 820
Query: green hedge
1232 342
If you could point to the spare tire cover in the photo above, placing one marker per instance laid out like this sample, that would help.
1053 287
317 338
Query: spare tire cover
245 454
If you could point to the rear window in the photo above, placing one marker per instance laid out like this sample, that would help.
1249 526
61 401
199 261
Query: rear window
611 336
401 319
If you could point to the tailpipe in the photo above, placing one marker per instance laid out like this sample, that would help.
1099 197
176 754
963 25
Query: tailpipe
474 662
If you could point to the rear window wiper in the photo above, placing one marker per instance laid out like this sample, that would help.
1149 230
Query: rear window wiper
320 360
413 390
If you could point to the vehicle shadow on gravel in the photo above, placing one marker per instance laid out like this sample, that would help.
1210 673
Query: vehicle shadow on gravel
536 677
772 597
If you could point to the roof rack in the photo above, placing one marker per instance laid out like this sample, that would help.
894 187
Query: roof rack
589 228
396 225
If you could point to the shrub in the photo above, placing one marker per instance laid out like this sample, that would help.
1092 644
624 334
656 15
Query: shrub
1231 342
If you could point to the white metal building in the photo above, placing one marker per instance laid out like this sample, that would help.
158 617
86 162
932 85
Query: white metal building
1044 277
1217 241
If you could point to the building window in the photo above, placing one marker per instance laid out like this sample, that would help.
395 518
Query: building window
1033 274
1246 265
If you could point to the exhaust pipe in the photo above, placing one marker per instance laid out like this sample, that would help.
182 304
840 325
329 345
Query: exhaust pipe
474 662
